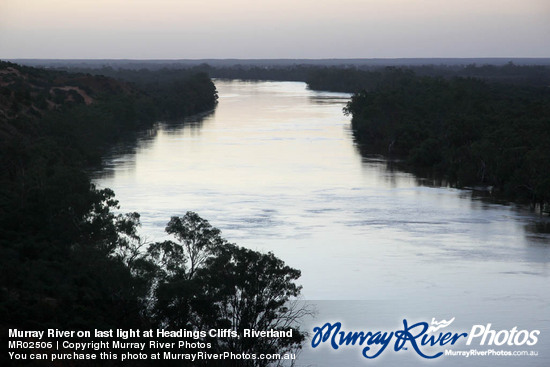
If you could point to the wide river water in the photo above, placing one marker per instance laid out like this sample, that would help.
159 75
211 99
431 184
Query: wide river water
276 169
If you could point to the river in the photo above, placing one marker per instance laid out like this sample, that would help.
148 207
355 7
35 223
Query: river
276 169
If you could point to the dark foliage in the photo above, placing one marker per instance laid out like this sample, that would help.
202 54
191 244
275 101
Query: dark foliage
471 131
331 75
203 283
353 80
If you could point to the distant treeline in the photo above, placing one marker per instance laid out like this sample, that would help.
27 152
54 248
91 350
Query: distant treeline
287 73
343 78
362 63
353 80
472 131
69 261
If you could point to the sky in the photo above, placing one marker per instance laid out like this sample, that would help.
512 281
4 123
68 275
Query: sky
197 29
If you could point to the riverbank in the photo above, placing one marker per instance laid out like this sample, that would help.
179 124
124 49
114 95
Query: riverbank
58 233
471 132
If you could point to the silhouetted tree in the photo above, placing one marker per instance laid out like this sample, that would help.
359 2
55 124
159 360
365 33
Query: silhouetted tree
226 287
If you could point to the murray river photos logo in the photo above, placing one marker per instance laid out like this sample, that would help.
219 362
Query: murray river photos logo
427 340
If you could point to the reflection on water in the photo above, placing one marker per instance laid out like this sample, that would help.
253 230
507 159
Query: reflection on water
275 168
124 154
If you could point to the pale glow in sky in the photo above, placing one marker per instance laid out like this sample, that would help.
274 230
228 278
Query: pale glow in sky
183 29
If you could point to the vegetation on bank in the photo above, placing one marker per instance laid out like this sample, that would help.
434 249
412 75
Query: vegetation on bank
471 131
69 261
87 113
353 80
348 78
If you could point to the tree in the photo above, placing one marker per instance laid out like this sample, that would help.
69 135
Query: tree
224 286
245 289
197 240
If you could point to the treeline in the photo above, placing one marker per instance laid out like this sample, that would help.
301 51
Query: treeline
344 77
69 261
471 131
144 76
352 80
